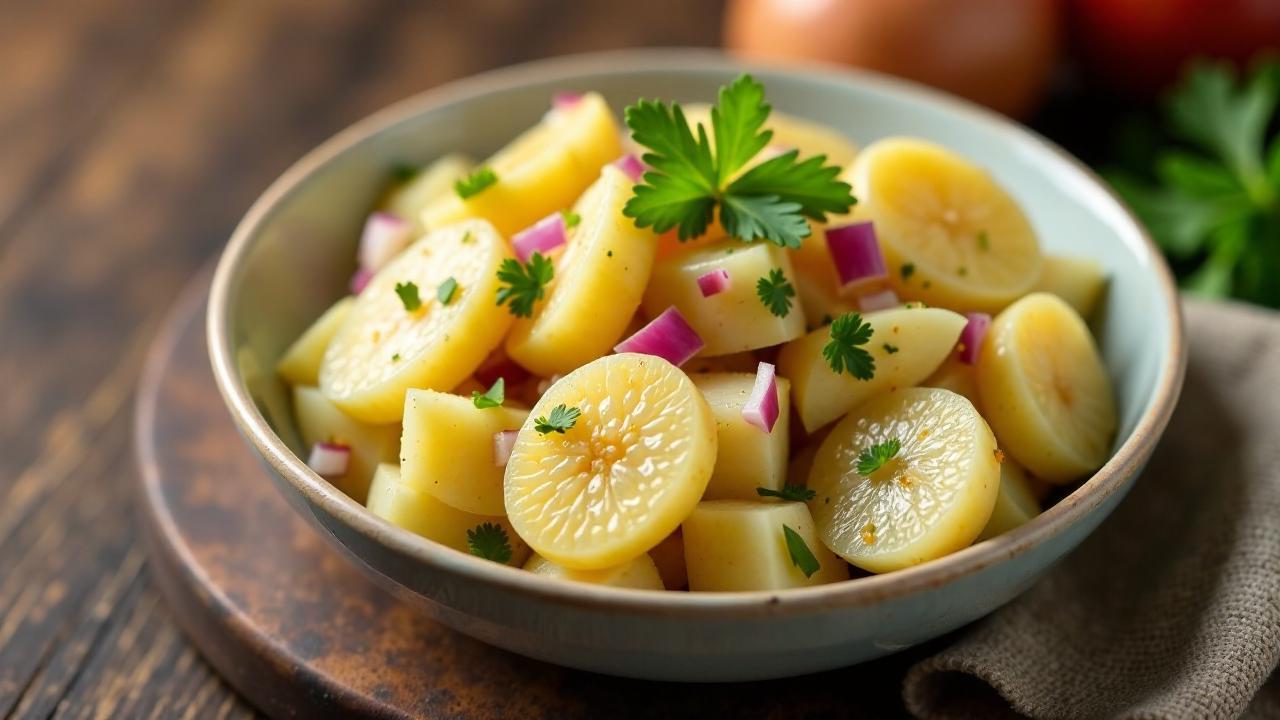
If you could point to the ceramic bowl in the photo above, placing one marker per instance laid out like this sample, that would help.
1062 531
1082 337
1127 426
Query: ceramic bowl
292 254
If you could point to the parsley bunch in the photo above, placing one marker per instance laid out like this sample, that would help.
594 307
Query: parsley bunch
689 178
1213 200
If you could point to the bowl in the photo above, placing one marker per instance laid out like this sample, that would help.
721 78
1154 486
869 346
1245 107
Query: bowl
292 254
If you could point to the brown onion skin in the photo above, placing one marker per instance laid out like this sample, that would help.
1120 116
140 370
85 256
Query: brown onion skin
1000 53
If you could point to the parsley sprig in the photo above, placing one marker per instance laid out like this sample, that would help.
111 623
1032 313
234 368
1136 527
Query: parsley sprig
493 397
796 493
687 180
446 290
408 292
775 291
475 183
561 419
524 284
844 352
490 542
874 457
801 556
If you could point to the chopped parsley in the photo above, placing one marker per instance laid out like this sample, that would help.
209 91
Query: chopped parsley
688 178
873 458
467 239
447 290
395 357
571 218
844 351
984 241
561 419
610 253
775 291
524 284
493 397
801 556
907 270
408 292
962 271
798 493
891 349
490 542
475 183
915 305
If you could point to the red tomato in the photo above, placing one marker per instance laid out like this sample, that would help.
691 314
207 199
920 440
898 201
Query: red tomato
1000 53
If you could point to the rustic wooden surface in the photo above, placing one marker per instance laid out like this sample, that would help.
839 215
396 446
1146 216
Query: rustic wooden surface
133 134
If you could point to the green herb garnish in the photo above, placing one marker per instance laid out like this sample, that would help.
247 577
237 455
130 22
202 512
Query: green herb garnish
797 493
844 351
775 292
446 291
984 240
891 349
524 284
686 180
571 218
907 270
490 542
395 357
873 458
801 556
408 292
562 418
475 183
493 397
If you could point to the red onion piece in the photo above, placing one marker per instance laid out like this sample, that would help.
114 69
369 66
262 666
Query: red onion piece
510 371
631 165
329 460
667 336
972 335
359 280
856 255
565 100
384 236
761 408
503 442
714 282
882 300
543 236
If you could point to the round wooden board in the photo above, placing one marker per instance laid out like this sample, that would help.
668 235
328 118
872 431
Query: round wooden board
300 632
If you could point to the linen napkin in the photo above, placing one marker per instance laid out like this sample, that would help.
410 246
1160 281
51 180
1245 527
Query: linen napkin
1171 609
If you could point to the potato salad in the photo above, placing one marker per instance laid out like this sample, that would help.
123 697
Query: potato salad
707 348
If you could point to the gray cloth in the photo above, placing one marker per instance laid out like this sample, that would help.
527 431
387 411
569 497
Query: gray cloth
1172 608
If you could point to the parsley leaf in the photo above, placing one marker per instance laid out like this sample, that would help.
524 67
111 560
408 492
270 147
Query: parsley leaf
571 218
492 398
490 542
562 419
446 291
408 292
891 349
843 352
873 458
907 270
524 284
475 183
775 291
801 556
797 493
686 180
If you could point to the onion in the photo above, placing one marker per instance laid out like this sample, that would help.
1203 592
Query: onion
384 236
972 335
329 459
565 100
761 408
714 282
882 300
544 235
545 383
502 443
631 165
668 336
856 255
510 371
359 280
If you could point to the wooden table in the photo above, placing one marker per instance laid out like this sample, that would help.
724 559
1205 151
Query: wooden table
133 135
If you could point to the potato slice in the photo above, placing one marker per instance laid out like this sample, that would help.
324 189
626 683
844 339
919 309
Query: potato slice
446 449
668 557
747 457
1016 502
734 320
920 339
540 172
300 364
639 573
740 545
1079 281
407 200
958 377
421 514
321 421
383 349
597 286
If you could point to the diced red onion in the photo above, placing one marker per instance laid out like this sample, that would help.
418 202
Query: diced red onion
882 300
359 280
761 408
384 236
972 335
511 372
565 100
503 442
667 336
856 255
714 282
543 236
545 383
631 165
329 460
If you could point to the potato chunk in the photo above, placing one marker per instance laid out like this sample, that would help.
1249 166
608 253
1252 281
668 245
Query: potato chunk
668 556
300 364
748 457
446 449
736 319
1015 502
433 182
639 573
421 514
321 421
1079 281
739 545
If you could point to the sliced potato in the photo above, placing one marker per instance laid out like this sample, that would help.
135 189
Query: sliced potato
321 421
300 364
1016 502
958 377
668 556
748 457
433 182
1079 281
638 573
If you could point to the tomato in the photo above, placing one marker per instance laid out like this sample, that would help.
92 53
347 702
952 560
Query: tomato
1000 53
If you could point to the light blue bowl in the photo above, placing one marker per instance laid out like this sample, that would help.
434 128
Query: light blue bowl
292 254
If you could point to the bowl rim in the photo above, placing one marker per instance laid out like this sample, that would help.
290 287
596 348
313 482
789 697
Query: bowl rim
1113 477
